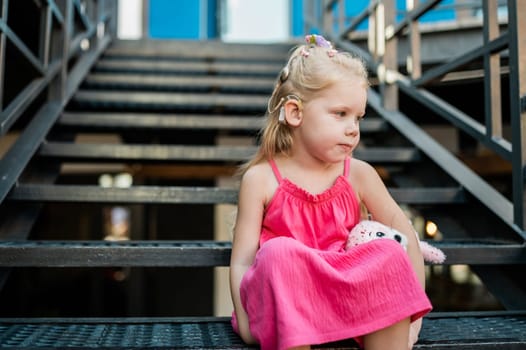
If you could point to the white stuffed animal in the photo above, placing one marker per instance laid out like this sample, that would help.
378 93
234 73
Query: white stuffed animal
368 230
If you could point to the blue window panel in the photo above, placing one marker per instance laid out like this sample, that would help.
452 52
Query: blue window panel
447 13
212 19
353 8
444 11
297 22
174 19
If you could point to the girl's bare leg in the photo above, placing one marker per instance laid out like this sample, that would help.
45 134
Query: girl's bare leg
392 337
303 347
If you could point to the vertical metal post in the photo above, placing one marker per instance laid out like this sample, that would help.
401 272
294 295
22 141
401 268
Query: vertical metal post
492 94
371 33
110 24
327 17
93 14
60 48
3 18
390 57
114 12
307 15
341 17
98 13
414 67
46 19
145 18
517 55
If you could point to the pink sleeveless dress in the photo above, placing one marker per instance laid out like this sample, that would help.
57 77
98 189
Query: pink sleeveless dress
304 288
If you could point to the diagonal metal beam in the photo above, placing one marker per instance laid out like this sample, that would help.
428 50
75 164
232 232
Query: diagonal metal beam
362 16
56 11
19 44
25 97
16 159
413 15
458 118
498 44
490 197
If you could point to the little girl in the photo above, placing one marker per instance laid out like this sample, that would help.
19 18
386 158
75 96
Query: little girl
292 282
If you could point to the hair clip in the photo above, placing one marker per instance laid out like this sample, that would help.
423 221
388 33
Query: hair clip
332 52
318 40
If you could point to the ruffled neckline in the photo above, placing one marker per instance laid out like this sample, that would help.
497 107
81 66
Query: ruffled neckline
302 193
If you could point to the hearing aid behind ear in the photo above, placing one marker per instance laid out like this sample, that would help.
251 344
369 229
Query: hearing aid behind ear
281 116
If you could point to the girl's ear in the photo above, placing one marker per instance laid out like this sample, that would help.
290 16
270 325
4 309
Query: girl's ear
293 112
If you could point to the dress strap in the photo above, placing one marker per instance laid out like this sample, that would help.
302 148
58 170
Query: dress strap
346 165
277 174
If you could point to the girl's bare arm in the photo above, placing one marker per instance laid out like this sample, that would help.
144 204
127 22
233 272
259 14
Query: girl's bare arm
246 241
383 208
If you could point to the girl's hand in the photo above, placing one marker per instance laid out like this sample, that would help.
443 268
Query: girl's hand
414 330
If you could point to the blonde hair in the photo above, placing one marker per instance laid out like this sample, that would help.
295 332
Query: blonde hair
309 70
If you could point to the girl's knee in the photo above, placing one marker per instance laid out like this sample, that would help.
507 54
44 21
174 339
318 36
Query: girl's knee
395 336
280 246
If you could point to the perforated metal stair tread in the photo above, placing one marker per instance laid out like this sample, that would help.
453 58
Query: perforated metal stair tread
443 331
199 253
204 195
117 121
180 82
147 152
167 66
170 100
107 254
196 51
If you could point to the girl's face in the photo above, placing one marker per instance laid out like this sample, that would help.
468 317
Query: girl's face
329 129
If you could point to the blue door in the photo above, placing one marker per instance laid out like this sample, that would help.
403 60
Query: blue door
182 19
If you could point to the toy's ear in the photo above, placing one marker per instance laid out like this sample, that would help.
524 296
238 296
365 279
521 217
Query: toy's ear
432 254
356 235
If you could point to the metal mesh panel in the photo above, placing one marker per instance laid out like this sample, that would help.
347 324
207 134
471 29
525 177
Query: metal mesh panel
487 332
120 335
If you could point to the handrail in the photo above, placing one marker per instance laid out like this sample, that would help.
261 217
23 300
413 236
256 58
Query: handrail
51 11
414 15
72 36
383 35
491 47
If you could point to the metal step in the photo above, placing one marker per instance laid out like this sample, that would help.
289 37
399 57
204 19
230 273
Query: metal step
480 330
162 153
135 194
168 253
193 195
116 121
164 66
108 254
178 83
145 153
171 101
197 51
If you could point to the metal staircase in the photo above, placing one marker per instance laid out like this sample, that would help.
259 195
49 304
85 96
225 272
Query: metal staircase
159 111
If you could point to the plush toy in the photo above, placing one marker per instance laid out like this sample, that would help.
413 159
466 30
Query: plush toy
367 230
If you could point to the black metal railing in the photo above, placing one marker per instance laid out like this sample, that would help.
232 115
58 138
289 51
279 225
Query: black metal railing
499 52
70 34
